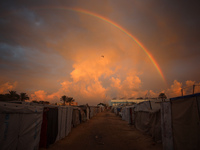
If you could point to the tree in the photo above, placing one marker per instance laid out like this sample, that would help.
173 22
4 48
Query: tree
162 96
23 97
70 100
13 95
64 99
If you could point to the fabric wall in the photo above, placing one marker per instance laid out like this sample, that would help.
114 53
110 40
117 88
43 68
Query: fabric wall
76 117
62 112
52 125
9 130
155 105
20 126
185 123
88 113
149 123
68 126
43 134
123 113
143 106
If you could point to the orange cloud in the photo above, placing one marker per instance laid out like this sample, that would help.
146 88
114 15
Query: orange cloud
175 89
4 88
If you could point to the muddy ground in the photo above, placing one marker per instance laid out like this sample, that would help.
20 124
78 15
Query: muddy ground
106 131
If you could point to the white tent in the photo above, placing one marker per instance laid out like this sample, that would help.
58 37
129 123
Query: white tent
68 124
64 121
62 112
143 106
20 126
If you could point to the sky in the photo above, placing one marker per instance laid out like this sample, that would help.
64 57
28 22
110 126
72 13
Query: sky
96 50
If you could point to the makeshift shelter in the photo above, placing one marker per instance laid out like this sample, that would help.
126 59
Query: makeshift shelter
49 129
20 126
127 113
92 111
62 120
148 120
183 124
86 110
76 116
143 106
68 125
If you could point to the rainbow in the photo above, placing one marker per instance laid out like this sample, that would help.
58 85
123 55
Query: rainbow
121 29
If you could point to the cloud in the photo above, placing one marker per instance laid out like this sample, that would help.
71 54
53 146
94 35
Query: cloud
51 51
176 87
6 87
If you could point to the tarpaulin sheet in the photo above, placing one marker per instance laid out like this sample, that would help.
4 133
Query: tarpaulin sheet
149 123
92 111
43 133
76 117
52 125
62 120
143 106
68 125
20 126
185 123
155 105
9 131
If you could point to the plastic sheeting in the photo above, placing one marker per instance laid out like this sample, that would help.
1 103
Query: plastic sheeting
76 117
149 122
20 126
52 125
128 114
92 111
43 134
83 116
155 105
86 110
186 123
62 119
68 124
143 106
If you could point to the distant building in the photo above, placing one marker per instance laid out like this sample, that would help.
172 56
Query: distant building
115 102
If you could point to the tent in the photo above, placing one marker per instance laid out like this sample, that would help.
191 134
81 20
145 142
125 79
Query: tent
181 123
49 130
76 116
148 119
86 110
186 122
68 125
62 120
20 126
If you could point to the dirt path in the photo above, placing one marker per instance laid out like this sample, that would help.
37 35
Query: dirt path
105 131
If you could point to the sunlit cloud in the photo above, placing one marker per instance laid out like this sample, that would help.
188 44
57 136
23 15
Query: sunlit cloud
6 87
52 51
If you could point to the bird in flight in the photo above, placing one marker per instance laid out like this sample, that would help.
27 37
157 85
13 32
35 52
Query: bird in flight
102 56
